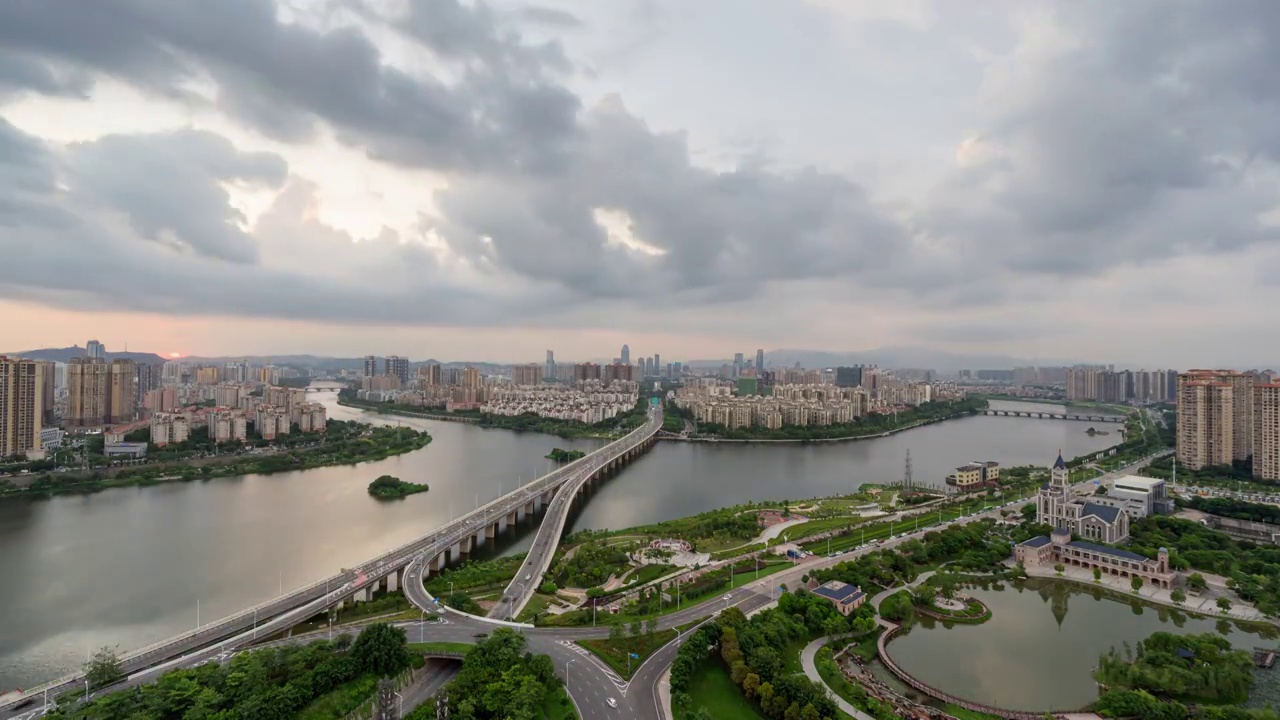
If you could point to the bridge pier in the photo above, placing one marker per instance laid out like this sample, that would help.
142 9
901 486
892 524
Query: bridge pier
359 596
512 518
437 563
394 580
491 531
466 545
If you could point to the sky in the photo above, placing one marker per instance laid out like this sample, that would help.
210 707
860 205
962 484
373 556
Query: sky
1084 180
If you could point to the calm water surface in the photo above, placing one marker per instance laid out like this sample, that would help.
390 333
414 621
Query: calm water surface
127 566
1038 650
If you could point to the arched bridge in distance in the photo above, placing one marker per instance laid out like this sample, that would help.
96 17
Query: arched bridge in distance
1057 416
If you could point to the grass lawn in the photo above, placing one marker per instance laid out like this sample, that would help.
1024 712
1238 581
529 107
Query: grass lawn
430 647
711 687
536 604
835 679
813 527
649 573
341 701
614 653
558 706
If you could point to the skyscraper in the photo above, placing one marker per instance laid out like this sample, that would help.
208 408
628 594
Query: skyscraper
148 379
95 349
1206 414
396 366
549 370
21 405
737 364
626 354
87 382
657 365
760 362
370 365
122 392
1266 431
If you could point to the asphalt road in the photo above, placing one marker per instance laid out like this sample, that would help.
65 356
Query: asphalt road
590 683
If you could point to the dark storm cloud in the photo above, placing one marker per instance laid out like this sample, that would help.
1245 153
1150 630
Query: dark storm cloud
170 187
1151 137
1136 144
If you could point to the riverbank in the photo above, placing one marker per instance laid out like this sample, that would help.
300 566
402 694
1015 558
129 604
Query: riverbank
568 429
926 414
370 444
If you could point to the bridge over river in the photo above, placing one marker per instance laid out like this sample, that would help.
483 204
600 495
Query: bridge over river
455 539
1056 416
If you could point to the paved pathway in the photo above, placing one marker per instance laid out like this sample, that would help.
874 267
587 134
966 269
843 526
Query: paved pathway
807 662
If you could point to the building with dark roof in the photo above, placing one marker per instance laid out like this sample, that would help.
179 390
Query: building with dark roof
1057 505
1060 549
845 597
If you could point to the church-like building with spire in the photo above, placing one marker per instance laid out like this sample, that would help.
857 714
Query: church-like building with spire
1057 505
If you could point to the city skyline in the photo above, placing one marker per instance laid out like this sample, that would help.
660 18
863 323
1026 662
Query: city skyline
578 187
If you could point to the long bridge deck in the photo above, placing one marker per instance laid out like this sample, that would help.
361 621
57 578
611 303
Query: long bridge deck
1056 416
283 612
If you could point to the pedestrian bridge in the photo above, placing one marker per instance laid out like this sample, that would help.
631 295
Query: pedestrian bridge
454 540
1057 416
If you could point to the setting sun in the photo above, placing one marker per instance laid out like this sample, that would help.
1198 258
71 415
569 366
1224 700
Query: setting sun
175 355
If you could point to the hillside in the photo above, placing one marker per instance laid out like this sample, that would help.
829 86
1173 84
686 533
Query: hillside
64 354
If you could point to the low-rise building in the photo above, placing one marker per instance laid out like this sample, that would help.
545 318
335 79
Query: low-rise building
975 476
169 428
1059 549
135 450
845 597
1137 496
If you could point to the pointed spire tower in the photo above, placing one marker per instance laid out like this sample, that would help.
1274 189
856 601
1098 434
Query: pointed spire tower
1060 476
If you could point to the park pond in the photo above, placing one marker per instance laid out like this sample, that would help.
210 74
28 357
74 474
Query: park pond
1038 650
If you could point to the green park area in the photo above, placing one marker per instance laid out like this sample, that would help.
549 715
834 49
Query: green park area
1169 674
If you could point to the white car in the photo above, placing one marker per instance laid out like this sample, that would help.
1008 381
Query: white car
611 702
727 598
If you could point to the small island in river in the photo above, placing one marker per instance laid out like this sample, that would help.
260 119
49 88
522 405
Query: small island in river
564 456
393 488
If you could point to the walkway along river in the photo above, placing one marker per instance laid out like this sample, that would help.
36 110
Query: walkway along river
129 566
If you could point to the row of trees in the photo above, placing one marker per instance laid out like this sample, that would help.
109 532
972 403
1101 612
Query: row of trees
270 684
592 563
1253 571
751 650
1237 509
1142 705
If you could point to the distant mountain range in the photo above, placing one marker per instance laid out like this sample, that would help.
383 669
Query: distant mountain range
64 354
903 357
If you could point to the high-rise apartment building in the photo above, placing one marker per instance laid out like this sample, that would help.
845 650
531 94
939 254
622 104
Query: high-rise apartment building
122 392
1266 431
370 365
470 378
526 374
430 374
396 366
95 349
849 376
149 377
586 371
759 362
48 371
21 405
1206 415
1242 414
87 383
549 370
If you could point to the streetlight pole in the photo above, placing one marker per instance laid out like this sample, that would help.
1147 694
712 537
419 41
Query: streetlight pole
422 627
400 707
197 614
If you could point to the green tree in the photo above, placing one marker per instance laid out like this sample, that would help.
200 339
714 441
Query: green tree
1097 575
104 668
1196 582
1224 604
548 588
381 649
1058 569
635 629
1135 582
1178 596
615 630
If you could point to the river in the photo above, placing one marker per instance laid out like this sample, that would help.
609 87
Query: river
126 567
1038 650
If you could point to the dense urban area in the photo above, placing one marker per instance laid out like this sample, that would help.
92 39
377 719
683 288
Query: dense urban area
779 609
